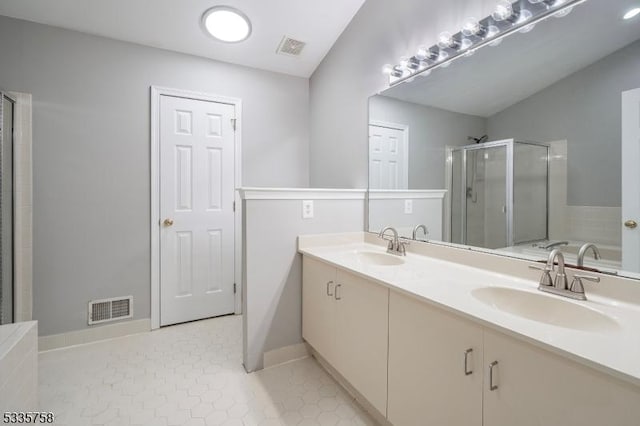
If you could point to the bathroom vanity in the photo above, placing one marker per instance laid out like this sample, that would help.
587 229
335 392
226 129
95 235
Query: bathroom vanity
420 340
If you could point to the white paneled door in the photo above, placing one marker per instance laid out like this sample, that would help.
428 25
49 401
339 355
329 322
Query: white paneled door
388 154
196 209
630 179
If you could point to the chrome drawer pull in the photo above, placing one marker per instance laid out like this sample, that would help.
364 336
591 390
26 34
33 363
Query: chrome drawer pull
467 372
329 286
492 387
336 292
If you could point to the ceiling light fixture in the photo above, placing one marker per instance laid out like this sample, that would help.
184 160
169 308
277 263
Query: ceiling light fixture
632 13
226 24
508 17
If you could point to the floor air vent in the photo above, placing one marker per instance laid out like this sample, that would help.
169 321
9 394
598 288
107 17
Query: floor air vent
113 309
291 47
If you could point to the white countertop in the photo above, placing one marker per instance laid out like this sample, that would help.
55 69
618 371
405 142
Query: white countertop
449 285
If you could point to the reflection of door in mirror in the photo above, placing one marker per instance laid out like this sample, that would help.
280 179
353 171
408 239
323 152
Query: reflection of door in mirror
630 179
388 156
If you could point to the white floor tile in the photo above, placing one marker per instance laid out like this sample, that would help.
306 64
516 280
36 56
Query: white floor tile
187 375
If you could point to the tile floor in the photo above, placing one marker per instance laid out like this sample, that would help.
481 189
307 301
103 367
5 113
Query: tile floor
189 374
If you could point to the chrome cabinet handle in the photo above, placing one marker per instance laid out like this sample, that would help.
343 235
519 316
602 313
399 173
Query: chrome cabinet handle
492 386
336 292
328 287
467 372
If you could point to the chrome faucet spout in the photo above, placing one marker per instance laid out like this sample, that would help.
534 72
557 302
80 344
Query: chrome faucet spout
392 229
583 250
417 228
395 246
551 245
560 282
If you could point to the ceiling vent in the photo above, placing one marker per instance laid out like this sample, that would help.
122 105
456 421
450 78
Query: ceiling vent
290 47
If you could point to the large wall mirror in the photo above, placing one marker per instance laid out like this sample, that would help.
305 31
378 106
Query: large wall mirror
522 146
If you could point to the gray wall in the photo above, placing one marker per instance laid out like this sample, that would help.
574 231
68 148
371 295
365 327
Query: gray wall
91 154
430 131
380 33
585 109
272 271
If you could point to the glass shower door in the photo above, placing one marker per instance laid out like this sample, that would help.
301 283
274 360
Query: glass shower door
486 196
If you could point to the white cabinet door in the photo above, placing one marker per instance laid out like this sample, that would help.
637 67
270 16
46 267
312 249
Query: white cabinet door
196 207
318 286
429 381
536 388
361 330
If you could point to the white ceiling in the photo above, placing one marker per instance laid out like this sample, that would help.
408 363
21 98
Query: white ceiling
498 77
175 25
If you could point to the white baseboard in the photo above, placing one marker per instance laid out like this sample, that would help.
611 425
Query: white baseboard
286 354
94 334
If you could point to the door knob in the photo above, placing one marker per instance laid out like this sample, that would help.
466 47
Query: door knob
168 222
631 224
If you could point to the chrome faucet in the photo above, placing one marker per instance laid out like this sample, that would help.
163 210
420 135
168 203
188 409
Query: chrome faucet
555 244
417 228
583 251
560 285
395 246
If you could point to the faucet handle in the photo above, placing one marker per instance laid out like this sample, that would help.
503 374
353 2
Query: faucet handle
402 247
576 284
545 280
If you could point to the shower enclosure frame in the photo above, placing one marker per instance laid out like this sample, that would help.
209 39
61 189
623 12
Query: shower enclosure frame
509 145
6 96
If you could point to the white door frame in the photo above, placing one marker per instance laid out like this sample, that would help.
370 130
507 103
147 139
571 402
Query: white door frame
630 197
156 93
405 142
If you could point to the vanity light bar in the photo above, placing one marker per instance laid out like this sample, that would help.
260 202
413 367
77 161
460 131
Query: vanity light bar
508 17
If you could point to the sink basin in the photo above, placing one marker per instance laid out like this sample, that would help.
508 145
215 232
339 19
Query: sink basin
545 309
379 259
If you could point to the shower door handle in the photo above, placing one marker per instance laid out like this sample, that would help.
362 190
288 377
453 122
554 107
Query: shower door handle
504 209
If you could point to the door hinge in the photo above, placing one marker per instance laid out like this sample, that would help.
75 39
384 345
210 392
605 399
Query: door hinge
234 288
234 206
233 124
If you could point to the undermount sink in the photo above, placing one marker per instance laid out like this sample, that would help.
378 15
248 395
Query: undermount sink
378 259
545 309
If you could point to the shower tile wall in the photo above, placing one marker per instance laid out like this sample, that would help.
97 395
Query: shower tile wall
600 225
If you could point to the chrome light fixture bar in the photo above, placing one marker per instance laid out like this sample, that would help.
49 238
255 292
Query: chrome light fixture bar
508 17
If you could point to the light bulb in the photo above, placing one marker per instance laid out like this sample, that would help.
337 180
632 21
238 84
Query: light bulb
446 41
404 61
503 11
632 13
472 27
465 43
423 52
387 69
